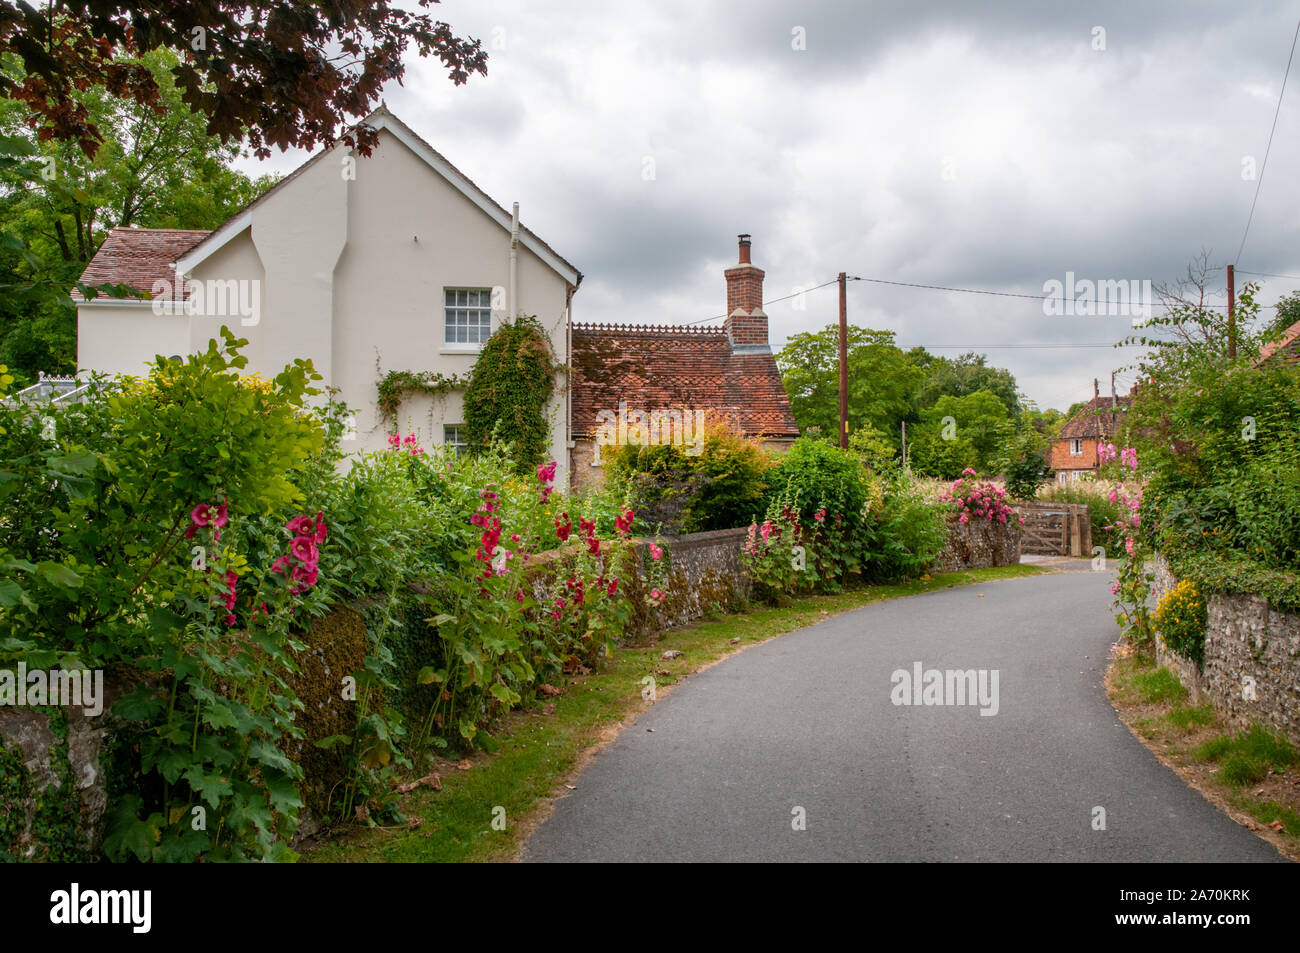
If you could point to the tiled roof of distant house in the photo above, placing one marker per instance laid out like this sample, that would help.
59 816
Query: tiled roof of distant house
675 367
139 256
1100 417
1285 350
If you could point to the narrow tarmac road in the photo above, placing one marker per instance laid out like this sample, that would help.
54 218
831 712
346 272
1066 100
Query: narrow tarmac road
805 726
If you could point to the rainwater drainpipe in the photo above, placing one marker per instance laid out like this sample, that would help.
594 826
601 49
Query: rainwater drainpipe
512 307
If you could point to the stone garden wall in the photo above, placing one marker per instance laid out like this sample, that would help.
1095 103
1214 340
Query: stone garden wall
979 544
1251 671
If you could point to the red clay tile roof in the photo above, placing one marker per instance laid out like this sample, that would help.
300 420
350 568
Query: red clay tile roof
1285 350
663 368
1096 419
139 256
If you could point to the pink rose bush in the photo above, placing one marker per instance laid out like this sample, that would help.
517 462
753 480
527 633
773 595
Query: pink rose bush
974 499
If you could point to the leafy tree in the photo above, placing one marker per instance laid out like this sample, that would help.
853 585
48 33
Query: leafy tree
881 380
278 72
1287 314
961 376
1025 465
959 432
155 169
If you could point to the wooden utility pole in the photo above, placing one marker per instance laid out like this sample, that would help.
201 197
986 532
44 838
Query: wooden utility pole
844 363
1232 315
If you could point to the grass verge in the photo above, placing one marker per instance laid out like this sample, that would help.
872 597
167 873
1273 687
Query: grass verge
542 750
1253 776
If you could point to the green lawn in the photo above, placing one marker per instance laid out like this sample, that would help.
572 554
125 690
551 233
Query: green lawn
540 749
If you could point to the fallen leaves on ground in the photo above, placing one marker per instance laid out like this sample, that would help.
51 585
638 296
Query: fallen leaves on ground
432 780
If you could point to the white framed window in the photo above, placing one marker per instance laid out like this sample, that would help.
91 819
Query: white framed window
467 316
453 437
1076 448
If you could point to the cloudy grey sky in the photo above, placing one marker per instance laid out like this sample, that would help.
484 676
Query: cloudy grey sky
982 145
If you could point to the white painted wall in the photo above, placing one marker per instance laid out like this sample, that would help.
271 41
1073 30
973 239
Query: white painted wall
352 273
125 338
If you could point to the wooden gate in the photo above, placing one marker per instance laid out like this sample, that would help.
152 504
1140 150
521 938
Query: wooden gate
1055 529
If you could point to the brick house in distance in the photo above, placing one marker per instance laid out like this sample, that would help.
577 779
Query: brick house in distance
663 384
1074 452
1285 350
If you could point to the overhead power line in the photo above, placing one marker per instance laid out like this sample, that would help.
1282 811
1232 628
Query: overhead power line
1265 274
1276 112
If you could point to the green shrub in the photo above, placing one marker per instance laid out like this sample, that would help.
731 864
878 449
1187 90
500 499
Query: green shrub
1181 618
812 475
509 388
903 529
676 490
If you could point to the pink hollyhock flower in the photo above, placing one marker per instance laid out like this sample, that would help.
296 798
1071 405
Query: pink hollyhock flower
656 553
969 472
1114 588
519 595
1129 457
1128 545
201 515
613 586
220 519
305 576
656 595
321 529
301 526
230 619
766 529
394 441
546 474
303 549
282 565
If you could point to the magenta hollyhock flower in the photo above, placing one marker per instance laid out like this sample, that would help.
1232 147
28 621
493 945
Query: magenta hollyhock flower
305 575
563 526
282 565
963 518
221 518
656 595
766 530
519 595
1128 545
656 553
230 619
321 529
201 515
546 474
1114 588
301 526
613 586
304 549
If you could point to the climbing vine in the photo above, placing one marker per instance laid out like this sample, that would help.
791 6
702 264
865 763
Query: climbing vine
395 384
512 381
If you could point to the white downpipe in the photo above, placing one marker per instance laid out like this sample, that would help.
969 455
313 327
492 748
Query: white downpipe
512 306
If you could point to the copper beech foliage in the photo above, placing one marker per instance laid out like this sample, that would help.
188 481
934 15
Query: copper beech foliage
285 74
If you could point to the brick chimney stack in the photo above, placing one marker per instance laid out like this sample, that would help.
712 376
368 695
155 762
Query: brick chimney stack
1096 387
746 322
